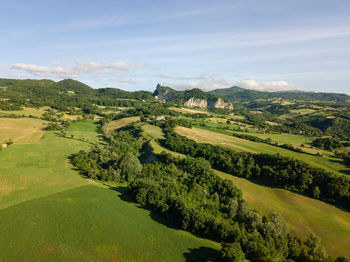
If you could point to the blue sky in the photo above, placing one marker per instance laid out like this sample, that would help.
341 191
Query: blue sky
132 45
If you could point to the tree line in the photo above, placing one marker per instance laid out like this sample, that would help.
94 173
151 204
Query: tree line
272 170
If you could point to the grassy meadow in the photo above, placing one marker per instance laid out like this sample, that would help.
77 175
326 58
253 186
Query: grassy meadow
189 111
26 111
21 130
122 122
48 212
93 223
222 138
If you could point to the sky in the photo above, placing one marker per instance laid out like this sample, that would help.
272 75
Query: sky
133 45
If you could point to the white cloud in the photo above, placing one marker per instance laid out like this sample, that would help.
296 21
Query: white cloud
205 82
267 86
209 82
80 67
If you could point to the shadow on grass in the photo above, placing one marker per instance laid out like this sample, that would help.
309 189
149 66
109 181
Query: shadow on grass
199 254
202 254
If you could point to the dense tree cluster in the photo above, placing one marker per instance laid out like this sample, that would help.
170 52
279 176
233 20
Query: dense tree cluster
187 192
118 161
272 170
327 143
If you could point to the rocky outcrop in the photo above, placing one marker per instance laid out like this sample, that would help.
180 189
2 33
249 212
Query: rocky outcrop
204 103
220 103
196 102
163 93
190 98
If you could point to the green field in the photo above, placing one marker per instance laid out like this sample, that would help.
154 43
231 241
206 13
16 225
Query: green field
302 214
92 223
21 130
26 111
84 129
221 138
48 212
122 122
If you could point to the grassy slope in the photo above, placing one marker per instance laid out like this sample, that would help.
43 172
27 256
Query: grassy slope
91 223
36 170
84 129
122 122
326 162
26 111
301 213
50 213
21 130
189 111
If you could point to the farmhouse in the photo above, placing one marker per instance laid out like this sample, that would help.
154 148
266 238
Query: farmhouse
160 118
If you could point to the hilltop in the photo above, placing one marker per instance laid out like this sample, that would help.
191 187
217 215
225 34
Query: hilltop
239 94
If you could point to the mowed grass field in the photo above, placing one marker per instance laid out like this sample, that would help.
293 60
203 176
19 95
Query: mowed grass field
327 162
122 122
26 111
302 214
48 212
156 132
189 111
21 130
93 223
84 129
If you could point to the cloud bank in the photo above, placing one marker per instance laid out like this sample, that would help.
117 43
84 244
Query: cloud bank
267 86
209 82
80 67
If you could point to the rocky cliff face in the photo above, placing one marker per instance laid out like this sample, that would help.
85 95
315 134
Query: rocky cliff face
196 102
204 103
162 93
219 103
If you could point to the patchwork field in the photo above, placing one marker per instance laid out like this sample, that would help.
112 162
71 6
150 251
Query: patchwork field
48 212
301 213
326 162
21 130
122 122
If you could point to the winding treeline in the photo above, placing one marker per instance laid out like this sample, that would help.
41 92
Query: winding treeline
188 193
271 170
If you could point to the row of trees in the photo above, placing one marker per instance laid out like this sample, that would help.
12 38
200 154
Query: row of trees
272 170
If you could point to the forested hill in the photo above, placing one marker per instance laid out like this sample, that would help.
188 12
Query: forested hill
238 94
170 94
62 95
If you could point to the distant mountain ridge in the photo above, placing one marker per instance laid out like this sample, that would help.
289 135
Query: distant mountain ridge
239 94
